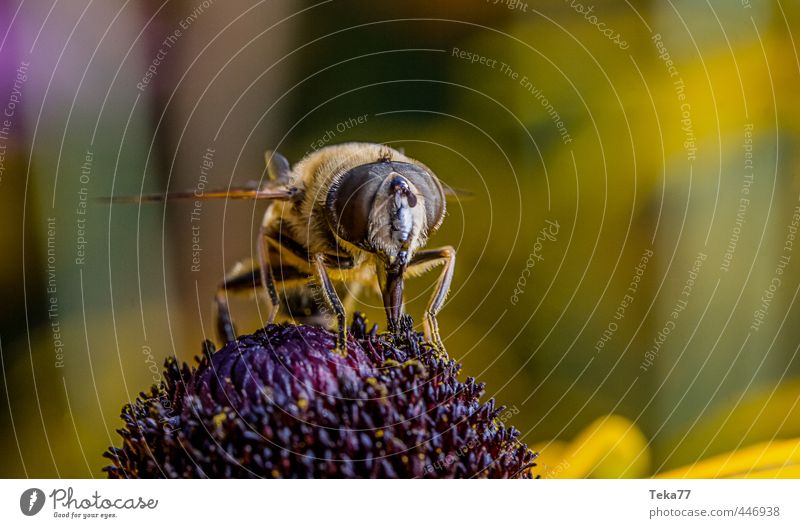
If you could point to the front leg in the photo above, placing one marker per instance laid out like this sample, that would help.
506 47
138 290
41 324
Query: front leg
423 261
332 299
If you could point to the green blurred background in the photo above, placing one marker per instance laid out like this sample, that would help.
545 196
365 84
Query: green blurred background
538 108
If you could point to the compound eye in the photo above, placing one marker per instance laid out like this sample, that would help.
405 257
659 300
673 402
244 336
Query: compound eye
429 187
349 203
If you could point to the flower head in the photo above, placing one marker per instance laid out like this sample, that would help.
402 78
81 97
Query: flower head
280 403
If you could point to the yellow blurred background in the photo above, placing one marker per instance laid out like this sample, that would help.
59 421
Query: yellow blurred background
628 251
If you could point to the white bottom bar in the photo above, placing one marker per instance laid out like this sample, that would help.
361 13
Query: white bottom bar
403 504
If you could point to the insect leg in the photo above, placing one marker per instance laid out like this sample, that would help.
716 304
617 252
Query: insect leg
283 240
244 279
266 274
245 276
422 261
332 298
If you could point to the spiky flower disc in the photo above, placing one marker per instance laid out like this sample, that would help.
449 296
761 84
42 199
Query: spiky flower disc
280 403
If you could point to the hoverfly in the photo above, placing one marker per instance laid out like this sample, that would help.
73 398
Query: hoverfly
355 214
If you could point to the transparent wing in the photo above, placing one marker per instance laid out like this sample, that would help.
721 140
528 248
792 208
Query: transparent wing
248 192
453 192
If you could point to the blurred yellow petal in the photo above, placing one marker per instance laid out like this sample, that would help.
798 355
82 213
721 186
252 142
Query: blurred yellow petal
785 472
766 414
778 459
610 447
